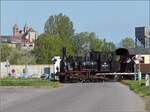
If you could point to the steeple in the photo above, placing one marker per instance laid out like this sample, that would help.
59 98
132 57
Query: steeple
15 29
25 28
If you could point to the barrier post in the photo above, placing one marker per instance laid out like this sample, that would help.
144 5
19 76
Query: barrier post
147 81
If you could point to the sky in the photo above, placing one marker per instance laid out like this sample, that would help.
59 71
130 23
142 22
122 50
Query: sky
113 20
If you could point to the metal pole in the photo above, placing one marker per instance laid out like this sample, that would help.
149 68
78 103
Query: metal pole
7 65
54 71
0 57
0 79
135 71
139 74
0 62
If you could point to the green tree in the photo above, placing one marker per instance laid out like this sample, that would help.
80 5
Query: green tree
20 56
5 51
59 33
127 42
59 25
48 45
43 49
96 43
107 46
16 55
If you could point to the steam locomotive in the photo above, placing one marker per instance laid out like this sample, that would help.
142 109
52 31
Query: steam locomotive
95 66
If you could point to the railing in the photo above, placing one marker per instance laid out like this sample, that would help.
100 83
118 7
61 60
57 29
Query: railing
115 73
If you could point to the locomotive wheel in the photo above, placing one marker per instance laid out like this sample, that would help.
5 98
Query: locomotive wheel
62 78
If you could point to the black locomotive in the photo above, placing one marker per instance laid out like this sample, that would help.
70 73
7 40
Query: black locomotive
97 66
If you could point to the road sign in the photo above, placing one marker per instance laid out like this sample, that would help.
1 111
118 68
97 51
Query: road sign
137 59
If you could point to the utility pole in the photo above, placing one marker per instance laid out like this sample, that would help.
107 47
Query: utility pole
0 60
0 55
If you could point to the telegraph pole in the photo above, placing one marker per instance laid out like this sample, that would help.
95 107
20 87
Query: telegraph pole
0 65
0 54
0 60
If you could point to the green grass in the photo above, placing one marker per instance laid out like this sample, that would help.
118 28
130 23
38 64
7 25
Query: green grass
28 82
141 89
138 87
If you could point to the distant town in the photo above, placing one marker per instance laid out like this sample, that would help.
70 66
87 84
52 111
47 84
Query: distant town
20 37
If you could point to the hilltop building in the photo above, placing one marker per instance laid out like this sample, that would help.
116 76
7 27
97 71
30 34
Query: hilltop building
23 38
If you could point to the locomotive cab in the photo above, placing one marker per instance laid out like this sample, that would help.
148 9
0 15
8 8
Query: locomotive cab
126 63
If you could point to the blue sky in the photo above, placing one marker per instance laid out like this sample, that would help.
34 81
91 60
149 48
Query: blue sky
112 20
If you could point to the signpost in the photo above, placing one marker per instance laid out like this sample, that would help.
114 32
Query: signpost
137 59
147 80
56 65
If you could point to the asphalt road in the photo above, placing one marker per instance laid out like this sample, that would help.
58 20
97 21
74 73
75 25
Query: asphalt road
92 97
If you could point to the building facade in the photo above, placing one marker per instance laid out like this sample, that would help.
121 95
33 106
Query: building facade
24 38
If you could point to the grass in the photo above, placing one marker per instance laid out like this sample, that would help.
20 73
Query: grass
141 89
9 81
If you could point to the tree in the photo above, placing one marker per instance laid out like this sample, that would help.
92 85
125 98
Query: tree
48 45
20 56
43 49
16 55
96 44
80 41
107 46
59 33
127 42
59 25
5 52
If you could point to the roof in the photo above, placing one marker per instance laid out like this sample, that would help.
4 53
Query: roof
133 51
5 38
31 30
10 39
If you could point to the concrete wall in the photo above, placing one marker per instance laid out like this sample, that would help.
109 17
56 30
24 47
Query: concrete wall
3 69
36 70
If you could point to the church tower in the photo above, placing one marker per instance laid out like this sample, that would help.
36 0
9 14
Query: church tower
15 29
25 28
